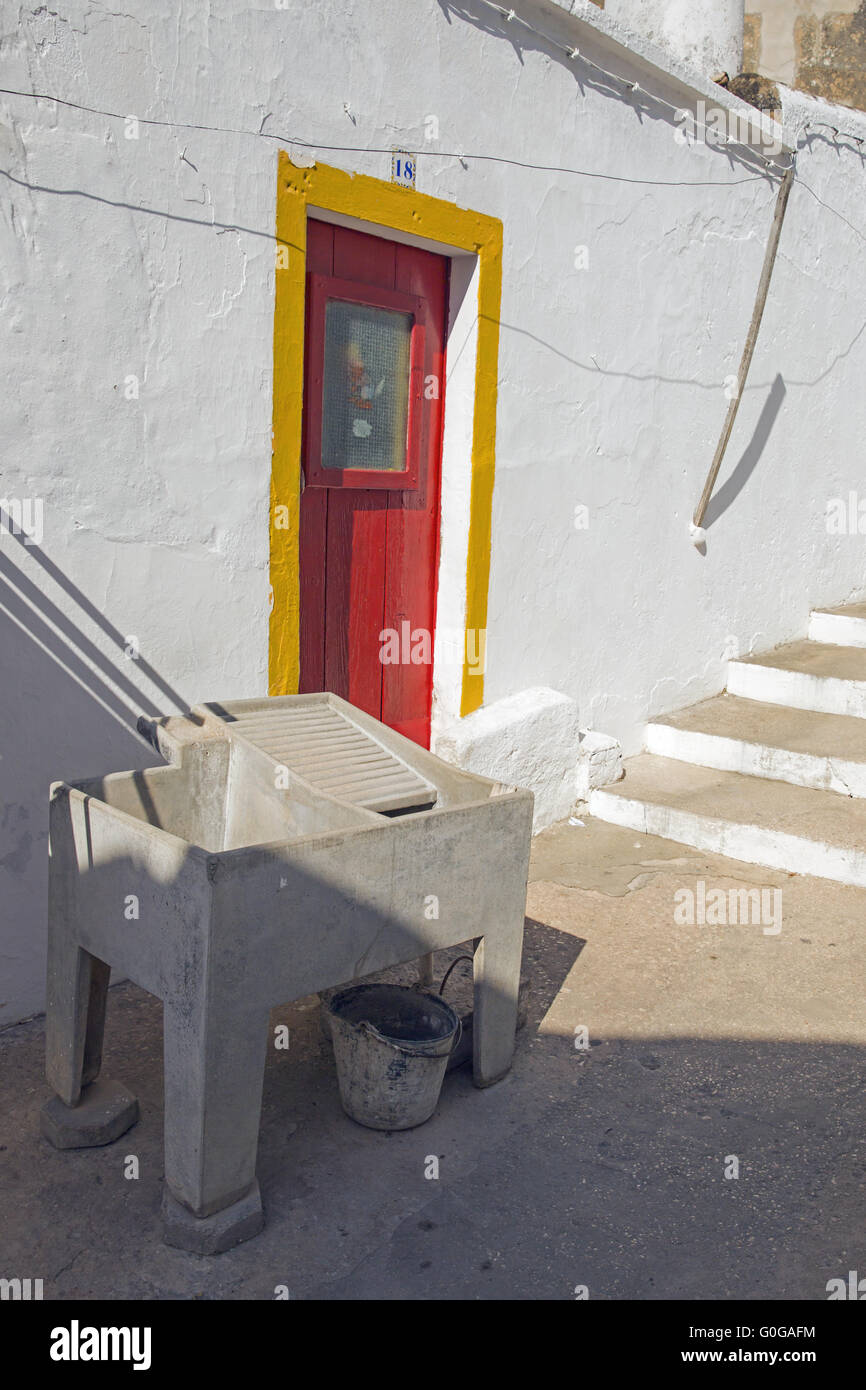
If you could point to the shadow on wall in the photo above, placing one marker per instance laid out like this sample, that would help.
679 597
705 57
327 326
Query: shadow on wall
68 710
748 461
587 74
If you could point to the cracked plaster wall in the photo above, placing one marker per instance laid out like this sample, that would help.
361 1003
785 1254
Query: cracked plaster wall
152 258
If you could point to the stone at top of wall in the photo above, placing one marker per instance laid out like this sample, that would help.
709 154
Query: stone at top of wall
831 56
756 90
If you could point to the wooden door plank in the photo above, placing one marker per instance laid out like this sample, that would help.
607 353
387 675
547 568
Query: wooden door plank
359 256
355 596
314 515
413 518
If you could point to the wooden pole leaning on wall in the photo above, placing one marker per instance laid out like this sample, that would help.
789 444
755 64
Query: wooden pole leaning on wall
748 350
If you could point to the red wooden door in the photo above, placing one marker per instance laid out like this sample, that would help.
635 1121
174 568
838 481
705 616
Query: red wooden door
368 553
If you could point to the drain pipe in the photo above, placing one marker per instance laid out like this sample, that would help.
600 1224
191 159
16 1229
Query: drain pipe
698 534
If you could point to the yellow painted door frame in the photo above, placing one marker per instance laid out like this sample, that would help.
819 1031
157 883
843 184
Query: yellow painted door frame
404 210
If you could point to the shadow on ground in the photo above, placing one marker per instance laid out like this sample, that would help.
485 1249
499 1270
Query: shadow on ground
602 1167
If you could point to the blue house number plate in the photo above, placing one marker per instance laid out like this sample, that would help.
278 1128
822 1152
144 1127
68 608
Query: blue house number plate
403 168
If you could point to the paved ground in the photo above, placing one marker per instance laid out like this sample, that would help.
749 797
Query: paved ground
602 1167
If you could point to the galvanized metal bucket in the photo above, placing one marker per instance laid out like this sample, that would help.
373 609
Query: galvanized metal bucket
391 1045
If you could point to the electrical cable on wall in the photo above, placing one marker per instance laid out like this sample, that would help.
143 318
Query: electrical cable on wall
502 159
388 150
574 54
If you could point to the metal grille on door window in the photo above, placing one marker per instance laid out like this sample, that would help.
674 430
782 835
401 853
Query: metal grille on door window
365 402
364 384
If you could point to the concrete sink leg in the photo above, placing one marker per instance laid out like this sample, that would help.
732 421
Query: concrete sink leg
105 1111
211 1235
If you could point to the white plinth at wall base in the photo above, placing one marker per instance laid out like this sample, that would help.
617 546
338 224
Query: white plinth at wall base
294 844
532 738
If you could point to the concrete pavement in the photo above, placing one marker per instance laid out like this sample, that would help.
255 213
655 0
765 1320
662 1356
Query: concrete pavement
600 1167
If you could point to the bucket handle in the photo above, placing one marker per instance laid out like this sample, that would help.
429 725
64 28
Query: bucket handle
410 1051
471 960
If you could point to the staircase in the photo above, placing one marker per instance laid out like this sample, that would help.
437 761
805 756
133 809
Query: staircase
771 772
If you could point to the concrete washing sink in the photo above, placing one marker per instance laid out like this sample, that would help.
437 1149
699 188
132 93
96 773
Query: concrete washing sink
290 845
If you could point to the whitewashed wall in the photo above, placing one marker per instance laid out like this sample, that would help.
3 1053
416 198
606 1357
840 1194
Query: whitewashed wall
152 258
708 33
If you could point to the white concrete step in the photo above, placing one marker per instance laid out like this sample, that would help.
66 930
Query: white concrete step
824 751
806 675
757 821
844 626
